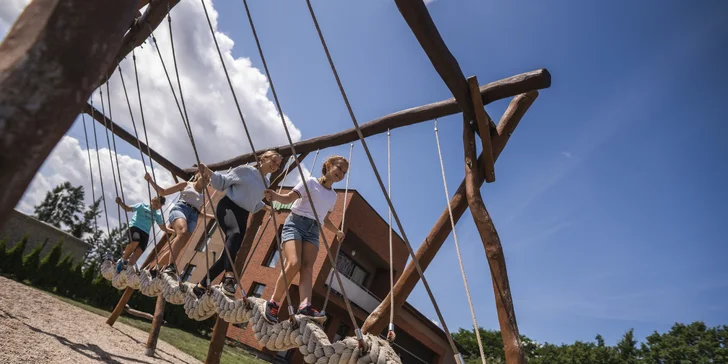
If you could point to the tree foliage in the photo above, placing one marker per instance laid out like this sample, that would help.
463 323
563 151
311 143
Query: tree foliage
63 208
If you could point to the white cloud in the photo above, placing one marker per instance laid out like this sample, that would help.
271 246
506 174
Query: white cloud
566 154
69 162
214 119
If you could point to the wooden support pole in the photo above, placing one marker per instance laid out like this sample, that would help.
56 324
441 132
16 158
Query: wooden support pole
501 89
49 61
493 249
483 123
137 313
128 292
157 322
418 18
132 140
378 319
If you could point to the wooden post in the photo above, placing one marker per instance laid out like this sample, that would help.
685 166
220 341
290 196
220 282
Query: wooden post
128 292
49 61
494 251
378 319
157 322
483 122
219 331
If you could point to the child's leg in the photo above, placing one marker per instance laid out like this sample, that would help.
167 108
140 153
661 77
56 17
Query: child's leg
129 250
182 235
310 251
135 255
291 264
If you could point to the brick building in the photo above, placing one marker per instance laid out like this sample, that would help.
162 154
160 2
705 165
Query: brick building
363 263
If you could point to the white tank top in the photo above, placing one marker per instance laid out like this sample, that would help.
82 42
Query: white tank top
191 196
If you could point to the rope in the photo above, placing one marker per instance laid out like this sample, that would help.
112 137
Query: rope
300 170
98 161
457 247
343 217
139 146
149 154
379 179
252 148
390 334
116 156
91 173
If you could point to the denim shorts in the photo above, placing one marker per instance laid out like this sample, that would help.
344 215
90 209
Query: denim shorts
297 227
182 211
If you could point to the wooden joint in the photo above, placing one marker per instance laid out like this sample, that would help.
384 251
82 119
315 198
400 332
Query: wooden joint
483 122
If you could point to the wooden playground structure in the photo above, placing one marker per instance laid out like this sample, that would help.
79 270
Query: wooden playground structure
58 52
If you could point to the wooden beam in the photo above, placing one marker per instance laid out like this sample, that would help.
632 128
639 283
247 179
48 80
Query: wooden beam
157 322
129 138
418 18
493 249
501 89
378 319
137 313
484 121
49 61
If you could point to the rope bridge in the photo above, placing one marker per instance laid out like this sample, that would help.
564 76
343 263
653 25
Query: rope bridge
303 332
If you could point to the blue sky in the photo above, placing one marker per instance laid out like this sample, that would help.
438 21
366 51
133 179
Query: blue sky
608 198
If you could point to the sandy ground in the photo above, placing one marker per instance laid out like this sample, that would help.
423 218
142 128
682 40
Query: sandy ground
38 328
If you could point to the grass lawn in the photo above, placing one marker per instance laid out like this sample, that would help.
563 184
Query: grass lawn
193 345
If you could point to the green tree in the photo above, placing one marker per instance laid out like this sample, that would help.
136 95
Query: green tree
627 349
63 208
30 264
47 275
14 259
3 254
102 245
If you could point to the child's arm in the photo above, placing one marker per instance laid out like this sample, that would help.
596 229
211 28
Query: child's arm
218 180
164 191
166 229
287 198
330 225
123 205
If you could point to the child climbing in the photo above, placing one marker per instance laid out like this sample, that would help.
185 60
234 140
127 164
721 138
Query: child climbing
183 216
300 233
139 227
243 195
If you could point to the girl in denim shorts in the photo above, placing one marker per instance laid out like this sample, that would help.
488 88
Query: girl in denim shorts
300 234
183 216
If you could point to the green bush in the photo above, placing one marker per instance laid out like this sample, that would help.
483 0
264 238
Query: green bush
65 282
29 269
14 258
47 275
3 254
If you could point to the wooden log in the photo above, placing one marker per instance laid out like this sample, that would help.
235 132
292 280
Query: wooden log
156 326
219 331
418 18
378 319
483 122
132 140
128 292
137 313
494 251
49 61
501 89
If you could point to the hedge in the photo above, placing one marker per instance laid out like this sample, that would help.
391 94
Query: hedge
65 278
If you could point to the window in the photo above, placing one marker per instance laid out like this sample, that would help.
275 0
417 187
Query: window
205 239
350 269
341 332
256 290
187 272
272 258
214 256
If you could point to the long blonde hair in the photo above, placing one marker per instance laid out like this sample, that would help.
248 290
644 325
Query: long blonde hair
268 154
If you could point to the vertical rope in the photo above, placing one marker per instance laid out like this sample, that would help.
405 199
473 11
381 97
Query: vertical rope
98 161
252 148
379 179
300 170
457 247
118 170
390 333
343 218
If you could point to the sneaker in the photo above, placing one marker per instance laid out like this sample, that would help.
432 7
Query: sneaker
171 270
228 286
308 311
198 291
120 265
153 273
271 312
